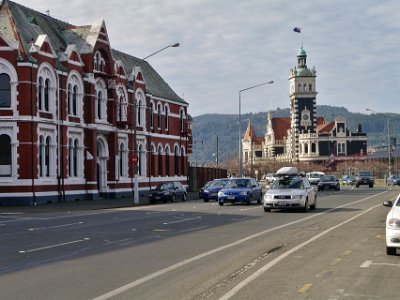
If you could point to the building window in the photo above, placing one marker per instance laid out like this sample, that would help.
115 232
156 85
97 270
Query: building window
310 87
47 156
69 97
140 160
299 87
46 94
166 117
182 162
341 148
5 157
74 101
176 161
70 158
99 106
313 148
40 93
139 113
167 171
159 111
122 104
101 101
160 170
151 117
41 155
5 90
181 120
152 161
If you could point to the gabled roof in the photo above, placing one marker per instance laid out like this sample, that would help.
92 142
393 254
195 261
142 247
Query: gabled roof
325 127
250 133
155 84
23 25
280 126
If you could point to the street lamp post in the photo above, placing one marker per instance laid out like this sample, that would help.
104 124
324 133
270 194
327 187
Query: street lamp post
389 143
240 125
136 184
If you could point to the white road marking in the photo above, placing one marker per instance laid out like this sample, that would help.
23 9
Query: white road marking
369 263
160 212
194 229
161 272
56 226
272 263
183 220
251 208
53 246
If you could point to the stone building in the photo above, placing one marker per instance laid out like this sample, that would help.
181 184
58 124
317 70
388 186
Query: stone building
304 136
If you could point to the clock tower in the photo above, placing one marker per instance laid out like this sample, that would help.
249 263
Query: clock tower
303 104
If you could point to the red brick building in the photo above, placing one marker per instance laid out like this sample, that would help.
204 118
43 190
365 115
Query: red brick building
74 113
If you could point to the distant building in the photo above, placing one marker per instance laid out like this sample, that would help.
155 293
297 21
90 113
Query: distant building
304 136
76 114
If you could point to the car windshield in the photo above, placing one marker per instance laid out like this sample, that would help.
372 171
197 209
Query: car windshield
314 175
365 174
288 183
328 178
162 186
239 183
220 182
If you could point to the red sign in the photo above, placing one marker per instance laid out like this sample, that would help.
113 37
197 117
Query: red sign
134 159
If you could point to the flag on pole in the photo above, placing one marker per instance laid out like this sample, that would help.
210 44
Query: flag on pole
297 29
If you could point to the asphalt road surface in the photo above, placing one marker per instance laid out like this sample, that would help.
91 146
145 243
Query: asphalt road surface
197 250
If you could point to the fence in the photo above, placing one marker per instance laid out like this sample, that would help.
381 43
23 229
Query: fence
198 176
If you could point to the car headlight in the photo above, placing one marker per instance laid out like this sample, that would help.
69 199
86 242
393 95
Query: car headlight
220 194
166 193
394 223
268 197
244 193
297 196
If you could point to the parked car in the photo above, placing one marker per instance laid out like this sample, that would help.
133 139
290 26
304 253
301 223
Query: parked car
393 226
393 180
290 191
270 178
364 178
314 177
242 190
168 191
201 191
348 179
211 192
329 182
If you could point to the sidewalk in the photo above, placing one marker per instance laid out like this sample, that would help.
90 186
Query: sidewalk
82 205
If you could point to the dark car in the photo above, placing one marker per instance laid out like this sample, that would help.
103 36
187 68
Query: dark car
243 190
201 191
211 192
364 178
393 180
329 182
168 191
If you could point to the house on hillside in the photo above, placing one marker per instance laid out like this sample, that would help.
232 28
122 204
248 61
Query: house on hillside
304 136
80 120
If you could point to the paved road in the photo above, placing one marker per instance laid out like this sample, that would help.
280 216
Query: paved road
197 250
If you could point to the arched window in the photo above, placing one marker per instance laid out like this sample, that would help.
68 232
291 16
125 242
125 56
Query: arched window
41 155
47 156
40 93
313 148
182 162
305 87
99 106
76 149
140 160
181 120
139 113
159 111
305 148
176 160
69 98
46 94
5 90
121 154
166 117
70 158
74 100
167 170
152 161
160 161
5 157
299 87
151 117
310 87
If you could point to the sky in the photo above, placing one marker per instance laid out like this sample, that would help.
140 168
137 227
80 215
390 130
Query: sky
230 45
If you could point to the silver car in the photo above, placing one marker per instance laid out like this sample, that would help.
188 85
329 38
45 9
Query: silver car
290 192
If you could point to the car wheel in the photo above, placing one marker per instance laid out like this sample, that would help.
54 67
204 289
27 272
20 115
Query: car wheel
221 203
306 206
173 198
371 185
266 209
314 206
259 200
205 200
357 185
390 251
184 198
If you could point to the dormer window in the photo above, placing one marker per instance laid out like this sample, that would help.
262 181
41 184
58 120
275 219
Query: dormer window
99 62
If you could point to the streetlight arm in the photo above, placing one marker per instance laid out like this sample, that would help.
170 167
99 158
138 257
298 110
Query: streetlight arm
158 51
254 86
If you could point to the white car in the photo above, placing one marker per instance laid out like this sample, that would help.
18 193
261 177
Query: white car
393 226
290 192
314 177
